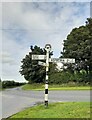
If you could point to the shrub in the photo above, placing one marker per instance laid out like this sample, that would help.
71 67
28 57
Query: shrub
66 77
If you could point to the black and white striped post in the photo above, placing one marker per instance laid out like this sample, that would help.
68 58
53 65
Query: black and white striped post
48 59
47 48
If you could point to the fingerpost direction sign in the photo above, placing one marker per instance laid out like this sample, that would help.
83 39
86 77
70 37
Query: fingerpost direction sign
38 57
41 63
63 60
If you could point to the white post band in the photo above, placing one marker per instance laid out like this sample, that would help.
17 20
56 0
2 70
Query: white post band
46 86
46 77
46 97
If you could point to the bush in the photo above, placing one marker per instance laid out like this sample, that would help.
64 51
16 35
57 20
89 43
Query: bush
59 77
66 77
10 84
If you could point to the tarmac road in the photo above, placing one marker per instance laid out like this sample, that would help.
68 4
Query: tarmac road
15 100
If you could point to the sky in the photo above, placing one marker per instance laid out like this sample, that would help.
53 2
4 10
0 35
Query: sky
35 23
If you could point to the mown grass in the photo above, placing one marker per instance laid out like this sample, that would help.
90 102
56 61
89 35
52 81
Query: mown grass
54 87
57 110
0 87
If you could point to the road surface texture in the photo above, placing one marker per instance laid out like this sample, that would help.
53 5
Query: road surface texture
15 100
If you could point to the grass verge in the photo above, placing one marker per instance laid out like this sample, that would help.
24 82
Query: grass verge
54 87
57 110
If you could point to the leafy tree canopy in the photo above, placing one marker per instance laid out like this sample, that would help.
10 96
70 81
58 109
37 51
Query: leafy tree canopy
78 45
30 69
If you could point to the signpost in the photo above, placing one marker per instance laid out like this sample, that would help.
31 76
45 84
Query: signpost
55 60
48 49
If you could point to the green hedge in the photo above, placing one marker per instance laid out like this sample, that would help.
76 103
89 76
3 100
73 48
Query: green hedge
10 84
65 77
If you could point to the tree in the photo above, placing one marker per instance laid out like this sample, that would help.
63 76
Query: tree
78 45
30 69
89 26
0 83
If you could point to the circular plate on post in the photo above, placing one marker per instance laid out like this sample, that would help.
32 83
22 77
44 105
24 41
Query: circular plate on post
48 47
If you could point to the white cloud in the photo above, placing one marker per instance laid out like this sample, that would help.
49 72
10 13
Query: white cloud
35 20
0 37
14 16
6 58
12 54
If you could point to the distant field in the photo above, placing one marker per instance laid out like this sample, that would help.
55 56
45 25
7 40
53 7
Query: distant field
57 110
54 87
